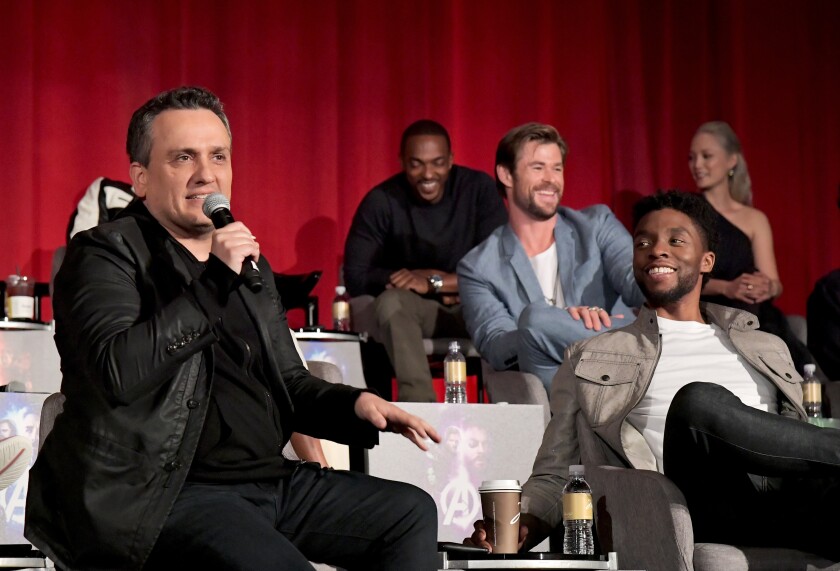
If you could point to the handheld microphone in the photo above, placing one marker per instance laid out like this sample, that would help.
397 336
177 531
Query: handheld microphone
217 208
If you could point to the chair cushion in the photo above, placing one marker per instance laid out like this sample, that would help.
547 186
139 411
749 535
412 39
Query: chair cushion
440 346
715 556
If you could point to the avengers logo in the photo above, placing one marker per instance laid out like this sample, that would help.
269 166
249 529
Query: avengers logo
460 503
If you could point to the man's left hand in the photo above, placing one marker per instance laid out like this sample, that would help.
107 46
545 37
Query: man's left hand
389 417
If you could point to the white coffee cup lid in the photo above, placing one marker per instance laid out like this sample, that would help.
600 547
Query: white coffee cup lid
500 486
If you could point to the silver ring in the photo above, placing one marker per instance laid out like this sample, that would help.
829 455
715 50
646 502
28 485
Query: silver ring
749 286
593 308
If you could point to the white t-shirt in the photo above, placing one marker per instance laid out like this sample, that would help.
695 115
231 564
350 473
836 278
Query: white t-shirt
693 351
545 267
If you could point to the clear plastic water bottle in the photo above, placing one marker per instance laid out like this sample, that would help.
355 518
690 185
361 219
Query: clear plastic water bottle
577 514
341 310
811 392
455 375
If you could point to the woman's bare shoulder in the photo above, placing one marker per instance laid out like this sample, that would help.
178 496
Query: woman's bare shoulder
749 219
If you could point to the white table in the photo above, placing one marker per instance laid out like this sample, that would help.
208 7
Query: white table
458 562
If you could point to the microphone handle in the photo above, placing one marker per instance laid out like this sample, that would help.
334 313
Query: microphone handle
250 272
251 275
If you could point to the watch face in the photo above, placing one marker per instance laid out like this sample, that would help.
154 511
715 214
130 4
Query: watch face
436 282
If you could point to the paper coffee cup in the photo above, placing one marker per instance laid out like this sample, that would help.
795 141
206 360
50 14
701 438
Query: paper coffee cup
500 505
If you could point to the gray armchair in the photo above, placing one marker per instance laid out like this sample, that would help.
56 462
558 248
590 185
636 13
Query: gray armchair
643 517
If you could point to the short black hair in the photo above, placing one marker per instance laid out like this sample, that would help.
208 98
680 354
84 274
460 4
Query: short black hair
424 127
693 205
138 143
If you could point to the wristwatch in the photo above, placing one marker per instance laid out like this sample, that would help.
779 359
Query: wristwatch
435 283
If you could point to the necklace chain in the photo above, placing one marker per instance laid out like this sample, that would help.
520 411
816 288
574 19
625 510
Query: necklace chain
553 300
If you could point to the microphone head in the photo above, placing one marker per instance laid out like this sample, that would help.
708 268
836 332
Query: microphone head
214 202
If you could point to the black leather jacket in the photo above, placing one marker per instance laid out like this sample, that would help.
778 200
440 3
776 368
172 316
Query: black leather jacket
136 343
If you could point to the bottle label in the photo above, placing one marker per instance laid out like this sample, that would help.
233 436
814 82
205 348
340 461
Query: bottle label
455 371
20 307
341 310
811 392
577 505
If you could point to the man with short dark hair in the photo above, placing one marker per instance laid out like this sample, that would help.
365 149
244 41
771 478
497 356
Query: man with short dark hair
182 387
406 239
738 449
551 275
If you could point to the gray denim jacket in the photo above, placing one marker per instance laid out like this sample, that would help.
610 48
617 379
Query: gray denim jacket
603 378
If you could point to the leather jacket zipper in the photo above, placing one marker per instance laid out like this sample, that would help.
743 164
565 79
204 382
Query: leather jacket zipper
271 411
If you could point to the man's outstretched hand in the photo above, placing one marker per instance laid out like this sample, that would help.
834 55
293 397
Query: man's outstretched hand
389 417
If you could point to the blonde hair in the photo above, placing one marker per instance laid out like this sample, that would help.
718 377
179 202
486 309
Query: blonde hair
740 187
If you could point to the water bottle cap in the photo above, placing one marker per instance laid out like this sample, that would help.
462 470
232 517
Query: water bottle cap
454 347
810 369
340 290
576 470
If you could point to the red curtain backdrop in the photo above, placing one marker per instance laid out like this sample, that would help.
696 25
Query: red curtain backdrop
319 92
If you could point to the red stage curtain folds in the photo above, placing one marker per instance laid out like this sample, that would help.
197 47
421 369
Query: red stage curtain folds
319 92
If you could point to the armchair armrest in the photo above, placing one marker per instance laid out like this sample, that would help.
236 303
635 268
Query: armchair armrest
515 387
643 517
327 371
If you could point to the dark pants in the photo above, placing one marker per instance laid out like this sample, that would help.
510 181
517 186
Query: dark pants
753 478
341 518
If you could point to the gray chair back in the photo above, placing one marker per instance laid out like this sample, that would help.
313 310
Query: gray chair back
52 407
514 387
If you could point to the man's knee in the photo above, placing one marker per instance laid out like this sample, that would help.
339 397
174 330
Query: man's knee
699 393
414 504
389 303
410 530
697 401
537 316
545 326
535 324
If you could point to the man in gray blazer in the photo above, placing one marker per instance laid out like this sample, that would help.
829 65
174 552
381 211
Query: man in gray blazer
551 275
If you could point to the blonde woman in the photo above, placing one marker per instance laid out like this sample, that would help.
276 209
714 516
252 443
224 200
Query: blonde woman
745 273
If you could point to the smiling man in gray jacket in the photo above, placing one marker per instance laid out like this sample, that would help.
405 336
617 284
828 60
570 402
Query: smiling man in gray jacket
697 392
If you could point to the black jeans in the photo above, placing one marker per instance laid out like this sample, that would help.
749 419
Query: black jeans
753 478
341 518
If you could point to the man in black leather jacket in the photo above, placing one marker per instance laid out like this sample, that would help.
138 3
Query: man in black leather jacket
182 386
